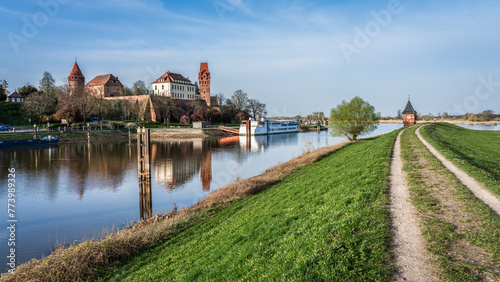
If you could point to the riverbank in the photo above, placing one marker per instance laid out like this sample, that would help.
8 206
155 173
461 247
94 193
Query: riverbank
343 192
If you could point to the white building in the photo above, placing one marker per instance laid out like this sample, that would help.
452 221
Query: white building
174 85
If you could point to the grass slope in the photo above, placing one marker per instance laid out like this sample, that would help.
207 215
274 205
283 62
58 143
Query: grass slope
325 221
474 151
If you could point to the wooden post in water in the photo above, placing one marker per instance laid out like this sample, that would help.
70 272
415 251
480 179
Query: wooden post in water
318 127
249 134
35 131
88 133
144 173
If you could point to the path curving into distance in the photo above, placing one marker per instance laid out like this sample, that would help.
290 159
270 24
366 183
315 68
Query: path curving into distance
475 187
409 248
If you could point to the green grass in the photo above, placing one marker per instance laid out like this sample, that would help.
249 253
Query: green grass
477 152
443 237
326 221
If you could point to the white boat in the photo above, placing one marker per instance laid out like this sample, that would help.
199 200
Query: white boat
266 126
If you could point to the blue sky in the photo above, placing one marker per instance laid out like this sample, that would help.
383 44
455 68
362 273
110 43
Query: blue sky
296 56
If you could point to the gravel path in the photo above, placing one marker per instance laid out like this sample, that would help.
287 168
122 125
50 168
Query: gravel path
475 187
409 250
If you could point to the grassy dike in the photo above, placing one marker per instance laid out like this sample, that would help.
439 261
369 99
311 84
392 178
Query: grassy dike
474 151
461 232
328 220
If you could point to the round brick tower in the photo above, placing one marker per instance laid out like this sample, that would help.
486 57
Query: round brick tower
76 80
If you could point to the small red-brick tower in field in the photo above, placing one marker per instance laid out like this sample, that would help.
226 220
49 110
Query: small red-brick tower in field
204 82
76 80
409 114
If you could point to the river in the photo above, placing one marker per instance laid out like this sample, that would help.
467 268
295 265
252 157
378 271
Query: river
74 191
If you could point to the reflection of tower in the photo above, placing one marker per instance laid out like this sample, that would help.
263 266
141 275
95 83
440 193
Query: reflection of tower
144 173
76 80
206 169
204 83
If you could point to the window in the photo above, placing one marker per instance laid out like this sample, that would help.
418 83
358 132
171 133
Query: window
156 87
162 87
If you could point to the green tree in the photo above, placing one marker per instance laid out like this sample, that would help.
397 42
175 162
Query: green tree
354 118
26 90
487 115
3 95
48 84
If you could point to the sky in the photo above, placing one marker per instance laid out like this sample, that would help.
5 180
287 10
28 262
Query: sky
296 56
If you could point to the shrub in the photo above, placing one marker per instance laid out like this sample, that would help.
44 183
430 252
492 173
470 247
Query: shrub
185 120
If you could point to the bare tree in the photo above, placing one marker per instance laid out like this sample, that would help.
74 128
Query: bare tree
38 104
257 108
221 99
85 100
139 88
239 100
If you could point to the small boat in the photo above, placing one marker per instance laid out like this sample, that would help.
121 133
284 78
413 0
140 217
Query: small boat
266 126
45 141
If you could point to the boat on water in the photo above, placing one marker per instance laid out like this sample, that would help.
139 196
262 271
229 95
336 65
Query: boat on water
266 126
45 141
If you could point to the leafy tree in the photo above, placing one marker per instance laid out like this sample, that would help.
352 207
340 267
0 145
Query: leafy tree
257 108
38 104
226 117
48 84
26 90
3 95
196 88
239 100
139 88
351 119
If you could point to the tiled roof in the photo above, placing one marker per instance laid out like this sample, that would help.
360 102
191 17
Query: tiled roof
15 95
103 80
76 72
170 77
409 109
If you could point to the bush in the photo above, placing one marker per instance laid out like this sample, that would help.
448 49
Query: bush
185 120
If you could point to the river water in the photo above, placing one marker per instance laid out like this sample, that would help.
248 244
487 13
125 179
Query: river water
70 192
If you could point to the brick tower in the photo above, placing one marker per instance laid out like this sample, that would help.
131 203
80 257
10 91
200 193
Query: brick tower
76 80
409 114
204 82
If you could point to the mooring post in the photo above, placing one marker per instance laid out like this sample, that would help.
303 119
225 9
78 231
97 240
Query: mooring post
88 132
35 131
144 173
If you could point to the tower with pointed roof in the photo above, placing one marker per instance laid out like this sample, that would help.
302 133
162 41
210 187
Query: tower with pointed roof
204 82
76 80
409 114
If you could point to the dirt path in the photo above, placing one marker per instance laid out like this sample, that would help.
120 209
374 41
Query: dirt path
475 187
409 250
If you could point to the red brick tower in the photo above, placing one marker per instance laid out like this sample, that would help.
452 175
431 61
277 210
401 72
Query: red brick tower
76 80
409 114
204 82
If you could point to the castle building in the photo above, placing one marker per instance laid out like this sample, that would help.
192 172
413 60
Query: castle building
409 114
106 85
76 80
175 86
204 83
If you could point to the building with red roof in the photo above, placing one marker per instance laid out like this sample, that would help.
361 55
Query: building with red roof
175 86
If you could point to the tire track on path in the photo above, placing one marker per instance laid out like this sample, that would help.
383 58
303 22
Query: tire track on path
409 248
474 186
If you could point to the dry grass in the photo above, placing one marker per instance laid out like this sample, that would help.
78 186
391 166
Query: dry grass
78 262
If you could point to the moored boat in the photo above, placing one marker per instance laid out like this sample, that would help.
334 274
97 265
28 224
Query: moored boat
45 141
266 126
